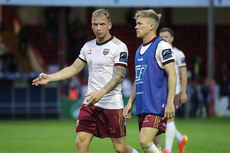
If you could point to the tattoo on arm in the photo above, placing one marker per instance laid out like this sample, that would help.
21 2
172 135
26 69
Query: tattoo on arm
119 75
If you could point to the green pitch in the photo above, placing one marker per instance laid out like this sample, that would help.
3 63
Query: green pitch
211 135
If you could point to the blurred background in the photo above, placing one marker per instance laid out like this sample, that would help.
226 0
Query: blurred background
46 36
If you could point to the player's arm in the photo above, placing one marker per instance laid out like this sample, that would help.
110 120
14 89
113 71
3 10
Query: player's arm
63 74
184 79
172 80
129 106
69 71
118 77
132 97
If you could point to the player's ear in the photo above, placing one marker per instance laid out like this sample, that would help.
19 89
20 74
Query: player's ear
172 38
152 25
110 25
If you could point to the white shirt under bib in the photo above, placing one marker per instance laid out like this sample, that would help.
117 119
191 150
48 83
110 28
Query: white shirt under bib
179 62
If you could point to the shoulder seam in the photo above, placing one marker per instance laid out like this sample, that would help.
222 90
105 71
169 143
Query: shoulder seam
116 41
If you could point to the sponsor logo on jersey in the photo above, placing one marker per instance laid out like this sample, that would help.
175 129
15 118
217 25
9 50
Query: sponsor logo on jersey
140 72
98 67
123 57
167 53
106 51
140 59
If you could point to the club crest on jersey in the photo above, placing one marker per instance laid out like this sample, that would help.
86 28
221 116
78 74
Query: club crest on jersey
123 57
106 51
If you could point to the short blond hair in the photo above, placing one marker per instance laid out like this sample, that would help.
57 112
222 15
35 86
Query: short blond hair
150 13
101 12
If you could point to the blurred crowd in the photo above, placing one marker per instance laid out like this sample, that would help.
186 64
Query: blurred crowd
7 59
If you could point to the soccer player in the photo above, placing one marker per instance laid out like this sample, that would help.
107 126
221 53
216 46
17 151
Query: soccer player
155 83
101 112
171 131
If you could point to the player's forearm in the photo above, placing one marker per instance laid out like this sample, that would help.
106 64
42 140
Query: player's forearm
184 79
118 77
172 80
63 74
132 97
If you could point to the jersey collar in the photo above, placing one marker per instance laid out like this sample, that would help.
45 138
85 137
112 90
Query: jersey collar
105 41
150 41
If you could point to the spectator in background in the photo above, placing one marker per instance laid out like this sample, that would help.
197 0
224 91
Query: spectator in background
77 37
194 94
9 63
197 69
7 59
74 88
224 82
51 17
71 88
2 47
2 51
225 89
204 98
129 17
23 36
1 26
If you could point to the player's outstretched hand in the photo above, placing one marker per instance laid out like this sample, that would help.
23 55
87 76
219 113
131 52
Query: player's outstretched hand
169 111
127 111
41 79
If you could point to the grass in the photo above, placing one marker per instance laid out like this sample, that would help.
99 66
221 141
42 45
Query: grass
210 135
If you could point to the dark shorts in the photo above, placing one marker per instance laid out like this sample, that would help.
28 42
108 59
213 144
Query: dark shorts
153 121
101 122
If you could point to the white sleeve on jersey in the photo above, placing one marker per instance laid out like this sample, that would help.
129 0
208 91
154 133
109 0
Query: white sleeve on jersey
82 53
181 61
121 55
164 54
